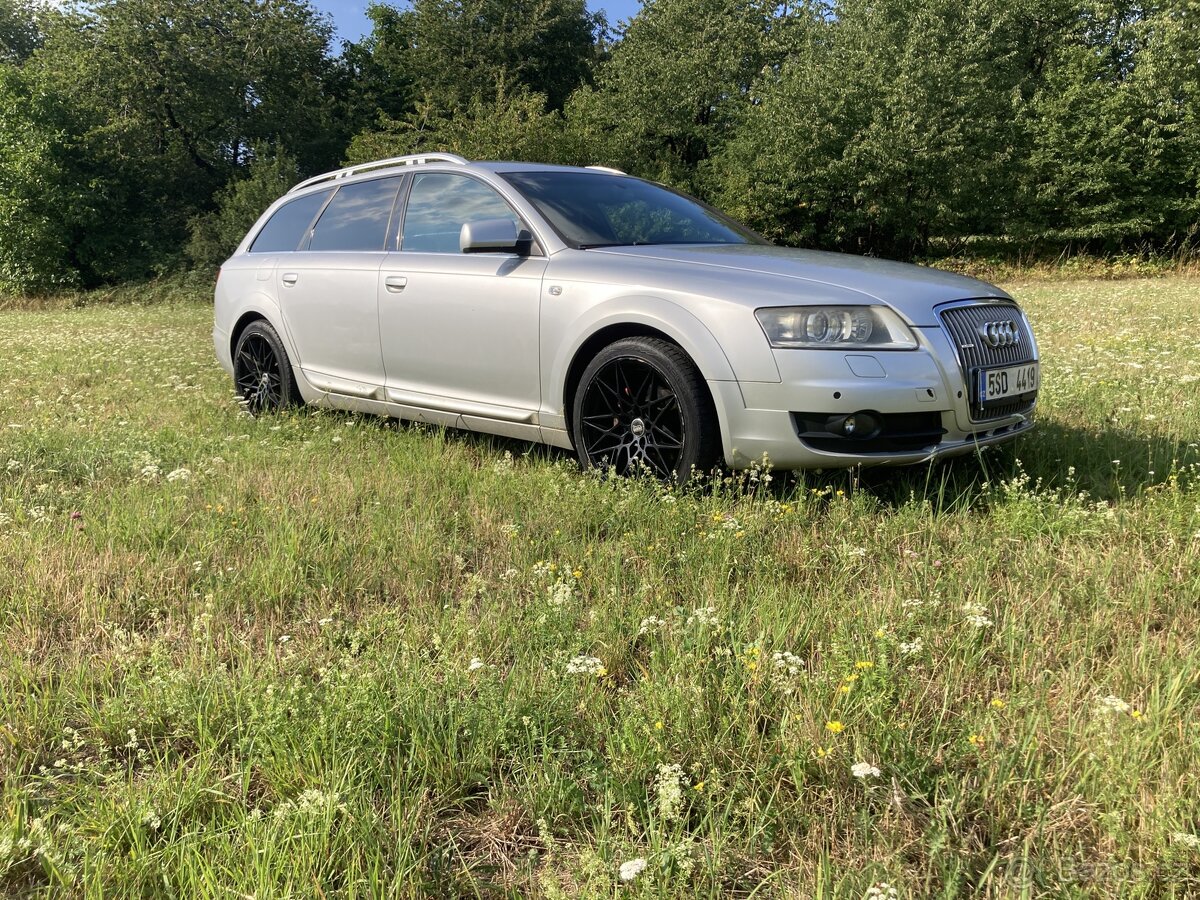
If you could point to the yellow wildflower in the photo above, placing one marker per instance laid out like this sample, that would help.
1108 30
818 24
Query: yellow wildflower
835 726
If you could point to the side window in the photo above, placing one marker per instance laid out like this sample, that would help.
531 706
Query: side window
357 217
439 204
289 225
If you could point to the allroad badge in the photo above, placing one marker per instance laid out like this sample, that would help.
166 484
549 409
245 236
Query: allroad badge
1000 334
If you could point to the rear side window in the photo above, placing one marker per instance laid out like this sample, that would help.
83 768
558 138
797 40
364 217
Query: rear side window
357 217
284 231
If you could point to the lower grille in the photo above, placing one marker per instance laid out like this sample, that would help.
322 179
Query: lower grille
897 433
967 325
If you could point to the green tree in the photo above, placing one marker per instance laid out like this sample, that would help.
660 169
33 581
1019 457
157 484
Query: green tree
215 235
893 122
156 105
373 78
18 30
1115 150
35 190
670 95
485 78
514 126
454 51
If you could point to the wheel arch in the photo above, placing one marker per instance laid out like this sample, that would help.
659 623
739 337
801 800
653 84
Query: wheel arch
252 315
697 343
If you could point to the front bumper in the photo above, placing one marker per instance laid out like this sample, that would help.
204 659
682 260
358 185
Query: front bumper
926 385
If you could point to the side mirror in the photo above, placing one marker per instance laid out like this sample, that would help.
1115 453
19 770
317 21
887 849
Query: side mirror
493 236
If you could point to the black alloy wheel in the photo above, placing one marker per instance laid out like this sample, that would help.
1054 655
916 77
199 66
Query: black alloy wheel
642 406
262 374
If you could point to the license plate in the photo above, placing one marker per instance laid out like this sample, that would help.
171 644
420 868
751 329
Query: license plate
1011 381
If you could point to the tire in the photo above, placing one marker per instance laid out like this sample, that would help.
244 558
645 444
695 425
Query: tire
262 373
641 404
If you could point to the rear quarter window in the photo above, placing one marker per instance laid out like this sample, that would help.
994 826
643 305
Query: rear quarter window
287 228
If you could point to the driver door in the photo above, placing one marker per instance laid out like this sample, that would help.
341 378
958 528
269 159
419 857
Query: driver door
460 331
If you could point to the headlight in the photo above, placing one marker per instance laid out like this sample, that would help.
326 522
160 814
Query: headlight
835 328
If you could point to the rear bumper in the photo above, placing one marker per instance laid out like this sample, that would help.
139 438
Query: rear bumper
221 345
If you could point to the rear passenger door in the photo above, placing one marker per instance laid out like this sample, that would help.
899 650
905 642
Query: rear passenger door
328 290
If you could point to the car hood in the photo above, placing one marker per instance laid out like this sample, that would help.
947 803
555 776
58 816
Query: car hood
912 290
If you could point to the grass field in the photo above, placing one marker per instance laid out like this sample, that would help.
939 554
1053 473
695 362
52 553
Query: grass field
327 656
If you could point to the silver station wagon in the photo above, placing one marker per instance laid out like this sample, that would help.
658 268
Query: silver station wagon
597 312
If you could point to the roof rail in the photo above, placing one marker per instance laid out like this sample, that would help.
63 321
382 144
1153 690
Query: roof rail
609 169
415 159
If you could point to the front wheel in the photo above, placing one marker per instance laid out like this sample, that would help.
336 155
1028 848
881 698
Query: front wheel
262 374
642 405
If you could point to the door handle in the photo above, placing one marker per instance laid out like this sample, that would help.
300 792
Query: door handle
290 278
395 283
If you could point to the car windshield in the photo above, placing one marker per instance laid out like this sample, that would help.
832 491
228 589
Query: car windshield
596 209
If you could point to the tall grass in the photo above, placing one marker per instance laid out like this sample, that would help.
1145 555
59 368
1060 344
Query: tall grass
319 655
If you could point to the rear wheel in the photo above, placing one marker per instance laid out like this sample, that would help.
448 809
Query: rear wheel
262 374
642 405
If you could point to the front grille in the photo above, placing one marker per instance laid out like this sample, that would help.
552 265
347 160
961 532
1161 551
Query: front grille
963 324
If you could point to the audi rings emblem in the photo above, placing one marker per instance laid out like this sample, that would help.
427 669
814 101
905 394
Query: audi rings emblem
1000 334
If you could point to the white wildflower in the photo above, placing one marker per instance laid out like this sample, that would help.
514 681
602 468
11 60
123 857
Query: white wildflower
476 664
13 465
310 804
586 665
977 615
180 474
669 788
651 623
1113 704
864 770
150 472
632 869
1191 841
786 663
561 593
704 615
913 647
881 890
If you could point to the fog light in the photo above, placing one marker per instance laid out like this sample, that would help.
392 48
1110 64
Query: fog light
856 426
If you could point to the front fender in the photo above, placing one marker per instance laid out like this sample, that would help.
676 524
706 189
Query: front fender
648 312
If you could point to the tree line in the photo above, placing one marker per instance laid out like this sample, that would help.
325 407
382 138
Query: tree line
140 136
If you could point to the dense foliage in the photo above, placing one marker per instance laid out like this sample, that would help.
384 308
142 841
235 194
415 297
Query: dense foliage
899 127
